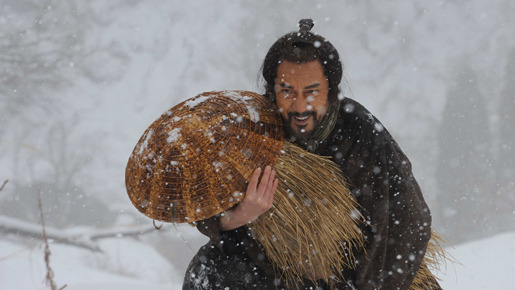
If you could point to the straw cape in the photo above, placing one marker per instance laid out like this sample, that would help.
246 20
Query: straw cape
196 159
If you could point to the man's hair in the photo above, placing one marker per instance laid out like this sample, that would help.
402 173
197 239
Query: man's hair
302 47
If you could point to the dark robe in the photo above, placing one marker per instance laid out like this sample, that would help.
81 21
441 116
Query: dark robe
398 224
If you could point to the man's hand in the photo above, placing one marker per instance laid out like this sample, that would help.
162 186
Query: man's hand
258 199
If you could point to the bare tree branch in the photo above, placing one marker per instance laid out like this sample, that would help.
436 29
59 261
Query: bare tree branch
49 271
2 187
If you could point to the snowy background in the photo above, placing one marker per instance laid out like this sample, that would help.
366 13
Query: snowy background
80 81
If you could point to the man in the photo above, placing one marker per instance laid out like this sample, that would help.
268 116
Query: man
302 72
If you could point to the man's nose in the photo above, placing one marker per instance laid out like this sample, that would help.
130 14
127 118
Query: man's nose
300 105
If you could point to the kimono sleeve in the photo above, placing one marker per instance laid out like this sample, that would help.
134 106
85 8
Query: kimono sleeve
226 241
399 221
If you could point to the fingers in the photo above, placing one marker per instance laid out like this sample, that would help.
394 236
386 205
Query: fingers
272 192
260 192
253 183
270 183
263 184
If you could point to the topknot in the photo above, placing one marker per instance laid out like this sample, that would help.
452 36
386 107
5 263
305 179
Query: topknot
305 25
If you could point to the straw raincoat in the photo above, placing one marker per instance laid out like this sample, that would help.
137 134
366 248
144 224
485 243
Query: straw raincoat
381 179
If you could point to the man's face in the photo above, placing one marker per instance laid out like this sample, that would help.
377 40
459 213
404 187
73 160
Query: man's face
301 92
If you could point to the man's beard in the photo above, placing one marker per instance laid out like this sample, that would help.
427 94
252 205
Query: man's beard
302 135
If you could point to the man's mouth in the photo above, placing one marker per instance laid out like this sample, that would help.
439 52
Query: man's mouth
301 121
301 125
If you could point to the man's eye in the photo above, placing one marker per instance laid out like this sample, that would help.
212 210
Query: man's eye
287 93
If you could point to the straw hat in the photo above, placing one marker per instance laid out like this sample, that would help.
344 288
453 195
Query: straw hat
195 160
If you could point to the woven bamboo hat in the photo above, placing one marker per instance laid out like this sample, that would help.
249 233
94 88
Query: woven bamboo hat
195 160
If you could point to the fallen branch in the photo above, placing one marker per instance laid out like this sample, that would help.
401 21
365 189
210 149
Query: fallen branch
83 239
22 228
119 233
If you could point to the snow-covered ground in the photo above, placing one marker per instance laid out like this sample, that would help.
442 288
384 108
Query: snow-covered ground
483 264
125 264
129 264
